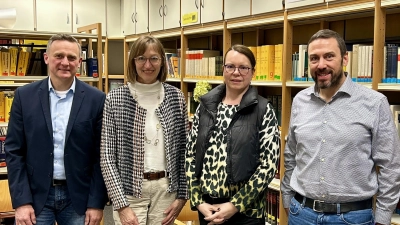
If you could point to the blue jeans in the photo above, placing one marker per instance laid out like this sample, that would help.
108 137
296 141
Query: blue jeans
299 214
59 208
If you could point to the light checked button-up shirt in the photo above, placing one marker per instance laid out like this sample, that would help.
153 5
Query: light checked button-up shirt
334 147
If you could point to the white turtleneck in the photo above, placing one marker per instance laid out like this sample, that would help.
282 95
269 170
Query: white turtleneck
149 97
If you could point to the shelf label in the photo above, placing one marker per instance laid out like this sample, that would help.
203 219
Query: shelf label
189 18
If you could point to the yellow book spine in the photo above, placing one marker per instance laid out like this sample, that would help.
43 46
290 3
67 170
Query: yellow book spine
2 107
21 62
26 56
5 63
278 62
259 67
8 102
271 62
13 61
254 50
263 63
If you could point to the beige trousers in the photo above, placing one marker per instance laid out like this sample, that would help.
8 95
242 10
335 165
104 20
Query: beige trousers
155 200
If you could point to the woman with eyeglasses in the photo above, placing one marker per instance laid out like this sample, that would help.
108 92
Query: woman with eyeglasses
145 124
233 147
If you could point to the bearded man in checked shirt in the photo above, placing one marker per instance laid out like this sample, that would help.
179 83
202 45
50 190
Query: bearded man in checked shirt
339 133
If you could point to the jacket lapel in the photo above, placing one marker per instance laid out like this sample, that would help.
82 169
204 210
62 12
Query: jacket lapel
44 100
76 105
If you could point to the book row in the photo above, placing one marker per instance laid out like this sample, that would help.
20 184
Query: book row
208 64
6 99
359 66
272 208
25 61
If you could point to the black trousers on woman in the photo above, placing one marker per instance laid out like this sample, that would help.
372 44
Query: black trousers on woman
237 219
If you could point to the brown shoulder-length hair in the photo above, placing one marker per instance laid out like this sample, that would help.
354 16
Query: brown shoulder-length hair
138 48
245 51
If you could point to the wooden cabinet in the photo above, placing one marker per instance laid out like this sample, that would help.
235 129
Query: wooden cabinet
142 16
128 17
262 6
68 15
205 10
156 15
211 10
54 16
238 9
24 13
135 17
172 14
190 7
164 14
89 12
113 25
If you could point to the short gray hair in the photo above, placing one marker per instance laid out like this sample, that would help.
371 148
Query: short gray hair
63 37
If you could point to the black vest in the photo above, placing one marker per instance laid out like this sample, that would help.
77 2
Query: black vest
243 148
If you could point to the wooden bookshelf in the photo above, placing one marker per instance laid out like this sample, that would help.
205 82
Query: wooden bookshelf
84 36
291 28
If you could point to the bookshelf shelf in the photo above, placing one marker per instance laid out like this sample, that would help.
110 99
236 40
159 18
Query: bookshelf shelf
275 184
390 3
203 28
306 84
115 76
36 78
395 219
388 87
291 27
3 170
192 80
6 85
267 83
172 79
299 84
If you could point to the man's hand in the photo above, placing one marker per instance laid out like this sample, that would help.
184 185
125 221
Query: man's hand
93 216
207 209
127 216
173 211
25 215
225 211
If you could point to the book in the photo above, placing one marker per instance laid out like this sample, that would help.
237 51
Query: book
5 62
9 97
113 84
2 107
13 61
278 62
92 67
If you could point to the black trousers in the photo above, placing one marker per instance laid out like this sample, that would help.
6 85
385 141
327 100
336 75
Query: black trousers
237 219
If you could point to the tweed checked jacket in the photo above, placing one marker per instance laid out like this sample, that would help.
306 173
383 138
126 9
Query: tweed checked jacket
122 145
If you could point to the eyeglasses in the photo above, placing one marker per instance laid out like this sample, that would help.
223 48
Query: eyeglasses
243 70
154 60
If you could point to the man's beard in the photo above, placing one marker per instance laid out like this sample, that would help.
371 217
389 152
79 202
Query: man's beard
335 78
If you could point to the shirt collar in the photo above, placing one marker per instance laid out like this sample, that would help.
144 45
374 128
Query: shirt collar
71 88
347 87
